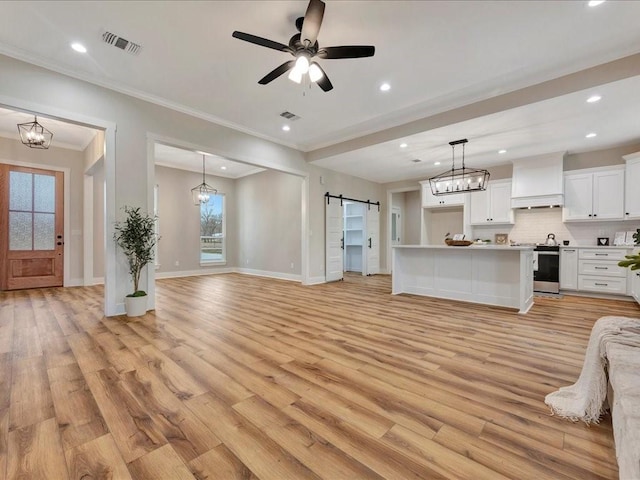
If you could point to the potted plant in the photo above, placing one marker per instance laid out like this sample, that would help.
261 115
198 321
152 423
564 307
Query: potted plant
136 237
632 261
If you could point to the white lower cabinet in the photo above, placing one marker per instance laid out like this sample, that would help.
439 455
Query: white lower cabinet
569 268
598 270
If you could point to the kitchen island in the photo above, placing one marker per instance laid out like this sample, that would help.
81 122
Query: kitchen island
486 274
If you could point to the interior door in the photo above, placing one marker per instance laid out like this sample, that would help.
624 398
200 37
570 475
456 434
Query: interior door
373 241
31 222
334 240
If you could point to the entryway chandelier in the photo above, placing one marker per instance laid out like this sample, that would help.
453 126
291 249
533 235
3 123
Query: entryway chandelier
34 135
459 180
202 192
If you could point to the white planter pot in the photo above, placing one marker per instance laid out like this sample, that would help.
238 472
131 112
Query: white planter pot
135 306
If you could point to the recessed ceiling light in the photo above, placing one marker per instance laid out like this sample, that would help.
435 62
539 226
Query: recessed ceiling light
78 47
595 3
223 167
286 128
403 145
436 163
591 135
594 98
502 151
385 87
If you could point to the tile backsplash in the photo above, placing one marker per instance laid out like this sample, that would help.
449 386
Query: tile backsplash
532 226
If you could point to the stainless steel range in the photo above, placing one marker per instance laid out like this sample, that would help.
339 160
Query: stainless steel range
546 270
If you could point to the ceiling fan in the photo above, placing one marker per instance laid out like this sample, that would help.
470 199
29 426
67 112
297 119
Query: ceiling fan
304 46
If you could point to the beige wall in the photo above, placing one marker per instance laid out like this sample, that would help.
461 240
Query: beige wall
337 184
98 220
413 210
599 158
15 151
269 217
179 220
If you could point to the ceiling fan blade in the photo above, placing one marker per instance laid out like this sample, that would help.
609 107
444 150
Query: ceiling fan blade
276 72
324 83
312 22
263 42
347 51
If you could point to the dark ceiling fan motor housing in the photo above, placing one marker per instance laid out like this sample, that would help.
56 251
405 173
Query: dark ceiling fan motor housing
305 43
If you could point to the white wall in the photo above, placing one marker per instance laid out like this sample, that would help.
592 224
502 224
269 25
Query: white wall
269 224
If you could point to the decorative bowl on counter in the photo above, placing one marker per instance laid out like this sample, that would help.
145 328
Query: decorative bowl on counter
458 243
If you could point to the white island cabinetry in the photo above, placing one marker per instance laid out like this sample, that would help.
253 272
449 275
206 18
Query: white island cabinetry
489 275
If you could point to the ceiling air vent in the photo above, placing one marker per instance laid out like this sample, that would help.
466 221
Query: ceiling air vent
290 116
121 43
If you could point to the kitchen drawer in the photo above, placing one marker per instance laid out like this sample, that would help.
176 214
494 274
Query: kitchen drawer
601 268
616 254
597 284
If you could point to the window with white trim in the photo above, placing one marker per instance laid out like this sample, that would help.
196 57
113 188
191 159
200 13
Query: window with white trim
212 230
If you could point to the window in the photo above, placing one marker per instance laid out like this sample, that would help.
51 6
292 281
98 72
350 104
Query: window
212 230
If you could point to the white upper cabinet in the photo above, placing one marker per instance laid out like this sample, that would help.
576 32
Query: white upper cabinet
493 206
594 194
429 200
632 187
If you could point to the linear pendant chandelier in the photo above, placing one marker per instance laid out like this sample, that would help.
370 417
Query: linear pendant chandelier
459 180
201 193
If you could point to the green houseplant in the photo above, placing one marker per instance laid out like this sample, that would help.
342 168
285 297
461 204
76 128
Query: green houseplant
136 237
632 261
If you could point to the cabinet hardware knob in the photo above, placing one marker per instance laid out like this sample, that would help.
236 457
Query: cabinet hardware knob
626 213
595 214
589 214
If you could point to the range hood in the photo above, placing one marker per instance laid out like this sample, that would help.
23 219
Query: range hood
538 181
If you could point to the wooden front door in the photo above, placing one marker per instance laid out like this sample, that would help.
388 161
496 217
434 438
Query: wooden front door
31 228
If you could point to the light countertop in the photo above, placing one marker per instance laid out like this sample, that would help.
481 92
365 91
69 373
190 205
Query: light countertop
470 247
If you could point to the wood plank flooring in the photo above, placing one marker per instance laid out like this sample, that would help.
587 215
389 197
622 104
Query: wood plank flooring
240 377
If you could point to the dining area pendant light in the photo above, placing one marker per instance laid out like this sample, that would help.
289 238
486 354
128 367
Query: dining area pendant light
459 180
203 192
34 135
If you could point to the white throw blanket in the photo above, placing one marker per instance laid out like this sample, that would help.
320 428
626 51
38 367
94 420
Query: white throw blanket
585 399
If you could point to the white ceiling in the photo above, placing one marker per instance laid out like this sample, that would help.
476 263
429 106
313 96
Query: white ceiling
168 156
437 55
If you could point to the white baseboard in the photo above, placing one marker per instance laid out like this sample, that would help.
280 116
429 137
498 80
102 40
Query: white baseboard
316 280
264 273
75 282
98 281
194 273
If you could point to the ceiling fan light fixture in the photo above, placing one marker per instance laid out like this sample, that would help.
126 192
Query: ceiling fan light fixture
302 64
315 73
295 75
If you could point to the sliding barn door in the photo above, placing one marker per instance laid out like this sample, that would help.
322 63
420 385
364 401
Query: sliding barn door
373 240
334 240
31 225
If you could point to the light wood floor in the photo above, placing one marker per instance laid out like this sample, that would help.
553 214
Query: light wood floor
242 377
